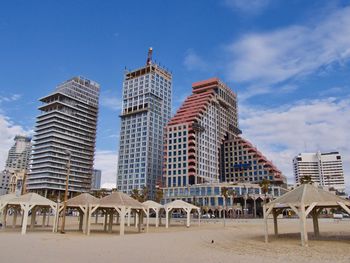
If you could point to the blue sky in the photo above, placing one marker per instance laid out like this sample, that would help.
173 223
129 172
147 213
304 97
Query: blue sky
287 60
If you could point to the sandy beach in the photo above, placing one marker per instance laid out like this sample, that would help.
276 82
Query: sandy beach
240 241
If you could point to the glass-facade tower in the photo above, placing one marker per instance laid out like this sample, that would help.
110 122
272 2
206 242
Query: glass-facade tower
145 112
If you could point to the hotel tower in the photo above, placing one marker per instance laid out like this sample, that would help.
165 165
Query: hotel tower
146 110
65 132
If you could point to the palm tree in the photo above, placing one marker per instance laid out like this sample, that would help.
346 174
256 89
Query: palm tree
265 188
306 179
233 194
144 194
159 195
224 193
135 194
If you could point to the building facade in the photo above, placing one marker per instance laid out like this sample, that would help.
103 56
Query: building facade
96 179
195 135
17 163
64 140
325 169
245 163
146 110
204 152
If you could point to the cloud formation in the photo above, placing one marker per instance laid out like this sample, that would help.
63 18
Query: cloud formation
308 125
112 103
276 56
107 161
194 62
250 7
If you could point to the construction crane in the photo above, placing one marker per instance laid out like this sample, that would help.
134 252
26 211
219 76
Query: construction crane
149 56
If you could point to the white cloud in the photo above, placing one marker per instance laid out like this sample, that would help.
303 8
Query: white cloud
8 131
11 98
112 103
194 62
251 6
276 56
106 161
309 125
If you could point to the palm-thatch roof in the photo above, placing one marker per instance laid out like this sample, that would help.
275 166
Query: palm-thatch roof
6 198
307 194
118 199
152 204
32 199
178 204
82 200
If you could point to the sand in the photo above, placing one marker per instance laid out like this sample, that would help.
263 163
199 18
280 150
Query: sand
240 241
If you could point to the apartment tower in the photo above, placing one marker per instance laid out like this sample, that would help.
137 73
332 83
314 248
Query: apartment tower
195 135
326 169
146 110
65 133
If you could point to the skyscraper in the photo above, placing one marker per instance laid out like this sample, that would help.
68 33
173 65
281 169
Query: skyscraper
195 135
65 130
146 110
17 161
326 169
96 179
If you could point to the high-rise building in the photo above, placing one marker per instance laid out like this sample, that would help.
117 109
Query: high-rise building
17 162
146 110
96 179
65 133
194 137
204 153
326 169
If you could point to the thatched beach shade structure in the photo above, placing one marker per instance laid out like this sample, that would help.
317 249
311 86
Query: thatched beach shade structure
81 203
4 199
156 207
179 204
32 202
122 204
304 200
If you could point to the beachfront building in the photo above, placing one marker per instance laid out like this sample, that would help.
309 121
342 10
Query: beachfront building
245 163
146 110
325 169
96 179
245 198
17 164
204 151
195 135
64 139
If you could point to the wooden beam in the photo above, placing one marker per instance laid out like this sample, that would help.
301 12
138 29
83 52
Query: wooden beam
309 209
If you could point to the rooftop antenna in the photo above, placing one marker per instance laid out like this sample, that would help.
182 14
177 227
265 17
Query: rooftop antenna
149 56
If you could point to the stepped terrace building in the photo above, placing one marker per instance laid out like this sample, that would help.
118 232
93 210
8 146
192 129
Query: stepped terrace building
65 133
245 163
203 151
195 135
146 110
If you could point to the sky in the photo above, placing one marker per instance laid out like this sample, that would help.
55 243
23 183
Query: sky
288 61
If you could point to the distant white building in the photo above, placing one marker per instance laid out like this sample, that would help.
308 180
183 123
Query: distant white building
17 163
326 169
96 179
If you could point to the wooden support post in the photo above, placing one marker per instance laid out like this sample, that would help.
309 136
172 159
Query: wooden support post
157 216
254 200
303 230
129 216
44 217
167 218
14 219
32 221
96 217
140 216
105 222
188 211
81 220
137 219
315 222
275 226
25 209
4 216
110 223
265 225
122 220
